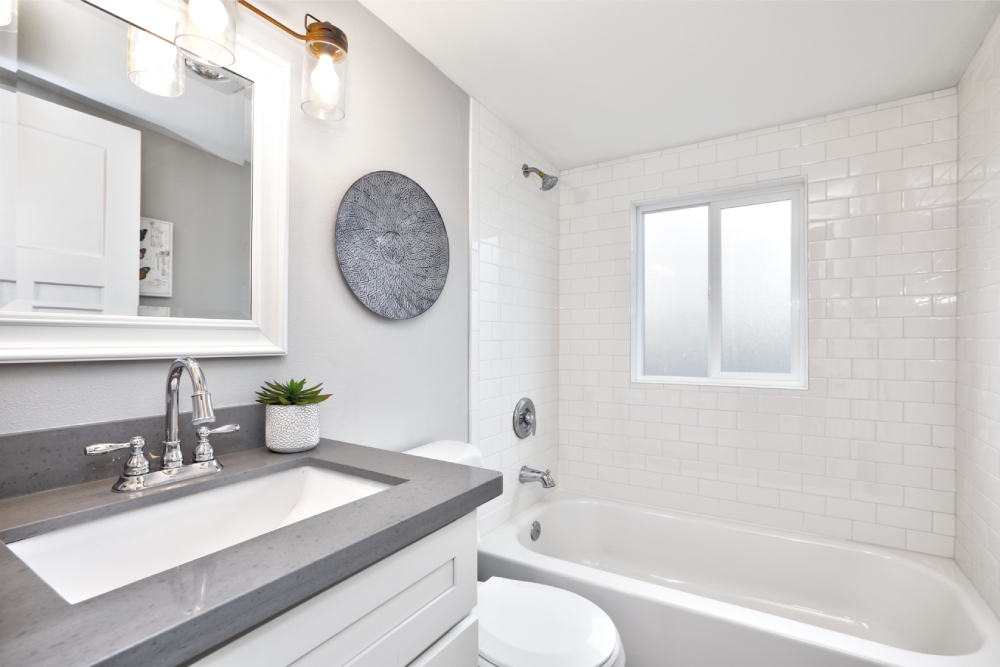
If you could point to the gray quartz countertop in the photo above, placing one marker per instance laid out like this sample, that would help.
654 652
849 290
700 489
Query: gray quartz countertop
178 614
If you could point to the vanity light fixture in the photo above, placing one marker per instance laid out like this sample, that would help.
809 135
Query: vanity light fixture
206 31
154 64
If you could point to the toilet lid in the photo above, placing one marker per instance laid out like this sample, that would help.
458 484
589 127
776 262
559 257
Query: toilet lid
523 624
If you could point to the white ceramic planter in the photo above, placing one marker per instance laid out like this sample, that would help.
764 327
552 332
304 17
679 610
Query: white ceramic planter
291 428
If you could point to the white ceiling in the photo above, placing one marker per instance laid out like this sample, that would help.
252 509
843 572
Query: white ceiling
584 82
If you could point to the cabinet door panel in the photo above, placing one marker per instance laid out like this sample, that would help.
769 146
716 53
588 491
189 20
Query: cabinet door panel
458 648
386 615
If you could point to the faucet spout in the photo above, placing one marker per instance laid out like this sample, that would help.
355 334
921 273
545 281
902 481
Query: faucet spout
201 404
532 475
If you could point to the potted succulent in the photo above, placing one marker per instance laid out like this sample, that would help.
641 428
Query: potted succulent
292 419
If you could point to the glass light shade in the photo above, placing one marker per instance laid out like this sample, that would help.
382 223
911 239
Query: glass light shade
324 79
154 64
206 30
7 15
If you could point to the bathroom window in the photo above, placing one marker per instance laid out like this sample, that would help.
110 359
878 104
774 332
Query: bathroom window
719 292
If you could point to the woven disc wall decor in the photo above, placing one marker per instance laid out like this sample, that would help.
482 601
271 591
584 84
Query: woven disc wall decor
392 245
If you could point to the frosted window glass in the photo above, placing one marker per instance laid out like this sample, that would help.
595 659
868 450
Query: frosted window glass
676 292
756 260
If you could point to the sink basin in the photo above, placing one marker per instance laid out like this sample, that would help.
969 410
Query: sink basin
86 560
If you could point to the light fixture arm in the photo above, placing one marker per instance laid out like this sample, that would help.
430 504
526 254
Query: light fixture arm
276 22
320 36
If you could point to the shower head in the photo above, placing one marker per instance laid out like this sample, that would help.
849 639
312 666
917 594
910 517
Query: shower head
548 180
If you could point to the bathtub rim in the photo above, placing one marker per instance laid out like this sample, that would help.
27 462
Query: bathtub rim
504 543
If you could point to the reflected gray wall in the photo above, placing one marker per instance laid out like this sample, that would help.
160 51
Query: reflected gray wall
209 201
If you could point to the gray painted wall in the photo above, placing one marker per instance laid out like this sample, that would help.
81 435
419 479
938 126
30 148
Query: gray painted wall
394 384
209 200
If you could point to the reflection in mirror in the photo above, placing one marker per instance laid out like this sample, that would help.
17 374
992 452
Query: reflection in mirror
125 171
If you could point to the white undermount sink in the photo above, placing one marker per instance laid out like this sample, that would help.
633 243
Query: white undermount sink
86 560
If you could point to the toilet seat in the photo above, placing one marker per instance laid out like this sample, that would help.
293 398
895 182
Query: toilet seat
523 624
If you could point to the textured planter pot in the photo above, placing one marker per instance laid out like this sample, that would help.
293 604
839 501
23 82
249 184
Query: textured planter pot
291 428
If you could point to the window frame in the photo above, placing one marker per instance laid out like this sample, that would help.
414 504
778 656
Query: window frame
716 200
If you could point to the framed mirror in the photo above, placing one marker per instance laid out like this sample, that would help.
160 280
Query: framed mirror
143 195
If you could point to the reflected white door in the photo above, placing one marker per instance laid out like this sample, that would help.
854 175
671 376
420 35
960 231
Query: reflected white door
8 188
76 240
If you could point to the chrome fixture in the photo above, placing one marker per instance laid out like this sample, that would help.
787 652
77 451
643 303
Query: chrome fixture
536 531
203 451
201 407
136 466
532 475
524 418
204 71
136 476
548 180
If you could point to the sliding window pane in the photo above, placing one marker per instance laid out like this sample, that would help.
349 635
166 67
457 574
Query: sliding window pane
676 292
756 258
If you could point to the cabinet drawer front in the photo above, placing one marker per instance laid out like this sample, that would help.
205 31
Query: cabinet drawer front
386 622
385 615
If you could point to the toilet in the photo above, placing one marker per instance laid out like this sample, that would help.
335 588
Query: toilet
524 624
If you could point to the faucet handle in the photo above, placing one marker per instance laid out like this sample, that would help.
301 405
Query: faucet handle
104 448
135 465
203 450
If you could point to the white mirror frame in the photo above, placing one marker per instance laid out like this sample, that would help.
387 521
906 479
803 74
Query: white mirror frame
36 337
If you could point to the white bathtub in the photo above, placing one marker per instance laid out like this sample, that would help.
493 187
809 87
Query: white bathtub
689 591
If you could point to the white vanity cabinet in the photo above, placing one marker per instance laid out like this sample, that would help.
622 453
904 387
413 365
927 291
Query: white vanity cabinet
411 608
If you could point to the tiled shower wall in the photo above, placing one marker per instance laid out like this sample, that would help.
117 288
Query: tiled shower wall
978 392
867 452
514 322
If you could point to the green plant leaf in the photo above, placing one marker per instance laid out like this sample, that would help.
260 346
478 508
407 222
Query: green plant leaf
292 392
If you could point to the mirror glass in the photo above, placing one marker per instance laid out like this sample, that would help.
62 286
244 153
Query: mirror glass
117 199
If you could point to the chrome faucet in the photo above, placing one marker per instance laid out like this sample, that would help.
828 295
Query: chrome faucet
136 476
201 408
532 475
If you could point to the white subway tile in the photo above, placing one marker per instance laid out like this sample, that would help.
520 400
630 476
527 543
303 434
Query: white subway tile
868 453
910 135
821 132
698 156
921 112
778 140
876 120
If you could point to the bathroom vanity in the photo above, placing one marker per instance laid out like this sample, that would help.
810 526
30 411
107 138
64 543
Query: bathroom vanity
369 561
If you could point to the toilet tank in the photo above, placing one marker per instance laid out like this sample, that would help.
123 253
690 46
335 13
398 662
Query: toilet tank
451 451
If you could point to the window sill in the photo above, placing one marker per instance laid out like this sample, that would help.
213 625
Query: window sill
754 383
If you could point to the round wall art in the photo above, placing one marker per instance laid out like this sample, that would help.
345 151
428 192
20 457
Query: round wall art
392 245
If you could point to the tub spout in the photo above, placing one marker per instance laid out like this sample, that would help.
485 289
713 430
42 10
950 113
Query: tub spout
532 475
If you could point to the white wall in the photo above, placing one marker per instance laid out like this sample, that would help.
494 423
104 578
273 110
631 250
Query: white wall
867 453
978 393
514 327
394 384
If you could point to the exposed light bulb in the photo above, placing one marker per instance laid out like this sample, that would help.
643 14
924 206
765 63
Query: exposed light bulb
6 13
208 15
160 54
324 79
